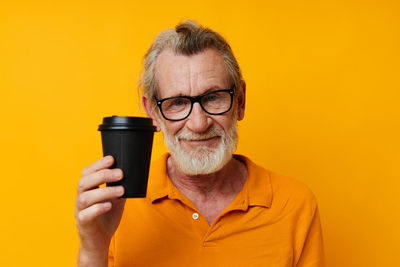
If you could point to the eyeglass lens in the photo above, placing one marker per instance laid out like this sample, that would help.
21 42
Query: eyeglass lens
179 107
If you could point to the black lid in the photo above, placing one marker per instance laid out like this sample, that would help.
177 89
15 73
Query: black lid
127 123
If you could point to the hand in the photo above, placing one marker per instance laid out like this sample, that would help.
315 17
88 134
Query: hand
98 211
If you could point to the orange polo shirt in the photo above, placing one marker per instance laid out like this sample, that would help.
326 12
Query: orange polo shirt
273 221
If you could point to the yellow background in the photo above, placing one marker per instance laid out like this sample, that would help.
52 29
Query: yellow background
322 106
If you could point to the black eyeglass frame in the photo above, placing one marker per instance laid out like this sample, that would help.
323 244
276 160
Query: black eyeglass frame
196 99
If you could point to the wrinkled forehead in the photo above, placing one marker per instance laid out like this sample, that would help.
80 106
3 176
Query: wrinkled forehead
190 75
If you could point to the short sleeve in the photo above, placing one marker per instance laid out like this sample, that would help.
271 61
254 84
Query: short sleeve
312 254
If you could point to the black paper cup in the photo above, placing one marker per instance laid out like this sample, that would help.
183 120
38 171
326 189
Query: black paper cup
129 140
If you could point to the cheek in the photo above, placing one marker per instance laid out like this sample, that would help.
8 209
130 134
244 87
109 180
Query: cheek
225 123
172 128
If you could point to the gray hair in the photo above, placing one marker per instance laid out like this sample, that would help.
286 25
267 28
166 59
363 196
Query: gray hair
188 38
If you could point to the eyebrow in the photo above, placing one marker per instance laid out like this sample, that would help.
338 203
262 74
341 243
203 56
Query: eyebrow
210 89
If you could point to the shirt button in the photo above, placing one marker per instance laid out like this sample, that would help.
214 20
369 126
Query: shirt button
195 216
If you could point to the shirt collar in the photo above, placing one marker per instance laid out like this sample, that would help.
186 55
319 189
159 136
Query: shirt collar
257 190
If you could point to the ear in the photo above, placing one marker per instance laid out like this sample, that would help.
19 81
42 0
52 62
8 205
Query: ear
241 101
149 111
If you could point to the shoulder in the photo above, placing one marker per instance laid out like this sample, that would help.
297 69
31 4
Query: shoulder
292 191
285 190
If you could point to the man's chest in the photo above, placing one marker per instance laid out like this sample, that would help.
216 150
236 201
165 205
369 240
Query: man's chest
212 208
181 236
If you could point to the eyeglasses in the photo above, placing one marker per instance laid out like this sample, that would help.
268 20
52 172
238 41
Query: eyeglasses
179 107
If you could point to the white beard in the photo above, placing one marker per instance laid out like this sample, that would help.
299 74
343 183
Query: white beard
203 159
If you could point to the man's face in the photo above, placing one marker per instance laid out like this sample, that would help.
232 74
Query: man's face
201 143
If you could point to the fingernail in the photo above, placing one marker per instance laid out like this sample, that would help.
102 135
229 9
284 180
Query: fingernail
108 158
119 189
117 173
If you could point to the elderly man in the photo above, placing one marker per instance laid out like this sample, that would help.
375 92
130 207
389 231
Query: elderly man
205 206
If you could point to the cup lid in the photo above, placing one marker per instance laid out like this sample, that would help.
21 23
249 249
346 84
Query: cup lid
127 123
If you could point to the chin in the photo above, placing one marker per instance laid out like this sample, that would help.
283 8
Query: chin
202 160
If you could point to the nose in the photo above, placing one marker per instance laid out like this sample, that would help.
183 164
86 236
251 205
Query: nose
198 120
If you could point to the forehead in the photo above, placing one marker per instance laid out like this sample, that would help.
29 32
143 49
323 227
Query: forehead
190 75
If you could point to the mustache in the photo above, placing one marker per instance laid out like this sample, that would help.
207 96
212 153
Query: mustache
190 136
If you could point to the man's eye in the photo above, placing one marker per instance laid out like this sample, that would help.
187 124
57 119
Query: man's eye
211 98
178 102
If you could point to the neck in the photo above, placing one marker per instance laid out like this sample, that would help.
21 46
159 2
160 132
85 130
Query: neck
226 182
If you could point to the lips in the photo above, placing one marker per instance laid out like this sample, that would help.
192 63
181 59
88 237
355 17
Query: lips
201 141
198 139
210 138
190 136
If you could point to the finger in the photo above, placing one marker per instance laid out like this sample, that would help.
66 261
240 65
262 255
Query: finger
93 180
92 197
102 163
87 215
